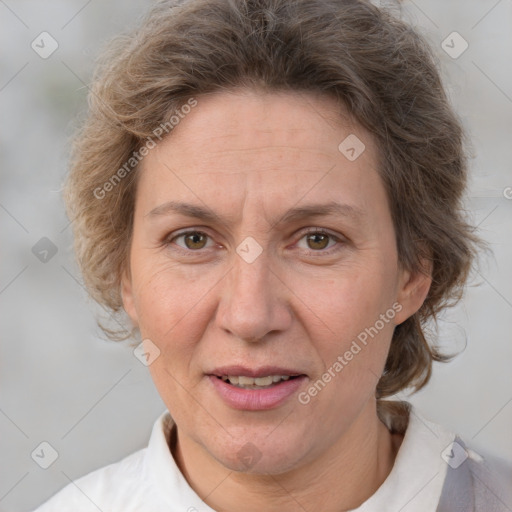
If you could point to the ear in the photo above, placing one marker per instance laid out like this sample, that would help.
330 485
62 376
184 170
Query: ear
412 290
128 297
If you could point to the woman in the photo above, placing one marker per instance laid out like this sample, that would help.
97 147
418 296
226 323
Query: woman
271 191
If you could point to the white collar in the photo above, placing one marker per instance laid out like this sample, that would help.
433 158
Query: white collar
416 479
164 471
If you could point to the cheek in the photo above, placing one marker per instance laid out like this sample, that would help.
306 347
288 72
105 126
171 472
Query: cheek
351 317
173 304
348 302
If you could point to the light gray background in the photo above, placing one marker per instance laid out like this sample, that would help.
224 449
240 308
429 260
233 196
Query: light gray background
92 400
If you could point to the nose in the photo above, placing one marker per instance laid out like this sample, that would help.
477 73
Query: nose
254 301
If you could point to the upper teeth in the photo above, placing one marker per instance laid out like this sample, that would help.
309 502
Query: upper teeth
251 381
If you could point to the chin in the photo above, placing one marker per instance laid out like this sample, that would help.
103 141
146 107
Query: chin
260 452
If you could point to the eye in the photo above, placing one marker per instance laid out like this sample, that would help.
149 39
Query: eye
192 240
318 240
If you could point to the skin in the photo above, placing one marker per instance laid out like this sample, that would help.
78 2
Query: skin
250 157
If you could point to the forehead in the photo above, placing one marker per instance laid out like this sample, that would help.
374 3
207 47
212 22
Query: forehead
245 119
268 149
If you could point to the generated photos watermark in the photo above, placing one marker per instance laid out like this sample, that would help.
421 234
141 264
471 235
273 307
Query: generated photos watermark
344 359
158 133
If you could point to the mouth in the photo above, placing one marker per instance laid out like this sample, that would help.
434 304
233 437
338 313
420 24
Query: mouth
256 388
243 382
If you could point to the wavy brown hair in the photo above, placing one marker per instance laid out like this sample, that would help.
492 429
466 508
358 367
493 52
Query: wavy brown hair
375 65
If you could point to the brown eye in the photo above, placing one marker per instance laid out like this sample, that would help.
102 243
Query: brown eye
318 241
190 240
195 240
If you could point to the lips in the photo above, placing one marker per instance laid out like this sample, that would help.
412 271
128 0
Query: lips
255 389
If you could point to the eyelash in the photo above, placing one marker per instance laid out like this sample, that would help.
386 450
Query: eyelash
319 253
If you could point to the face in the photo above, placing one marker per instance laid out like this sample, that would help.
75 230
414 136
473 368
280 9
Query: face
262 248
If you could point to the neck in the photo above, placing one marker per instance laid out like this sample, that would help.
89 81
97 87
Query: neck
344 476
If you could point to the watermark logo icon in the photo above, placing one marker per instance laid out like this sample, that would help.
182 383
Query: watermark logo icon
44 455
147 352
454 45
249 249
352 147
249 455
44 45
454 455
44 250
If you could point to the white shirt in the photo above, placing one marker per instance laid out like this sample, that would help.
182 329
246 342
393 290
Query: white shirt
150 481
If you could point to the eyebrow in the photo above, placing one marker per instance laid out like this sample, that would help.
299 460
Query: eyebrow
298 213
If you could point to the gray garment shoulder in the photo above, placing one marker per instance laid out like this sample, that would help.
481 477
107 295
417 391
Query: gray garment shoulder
475 486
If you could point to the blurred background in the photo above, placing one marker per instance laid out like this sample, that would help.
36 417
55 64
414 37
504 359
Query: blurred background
64 385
